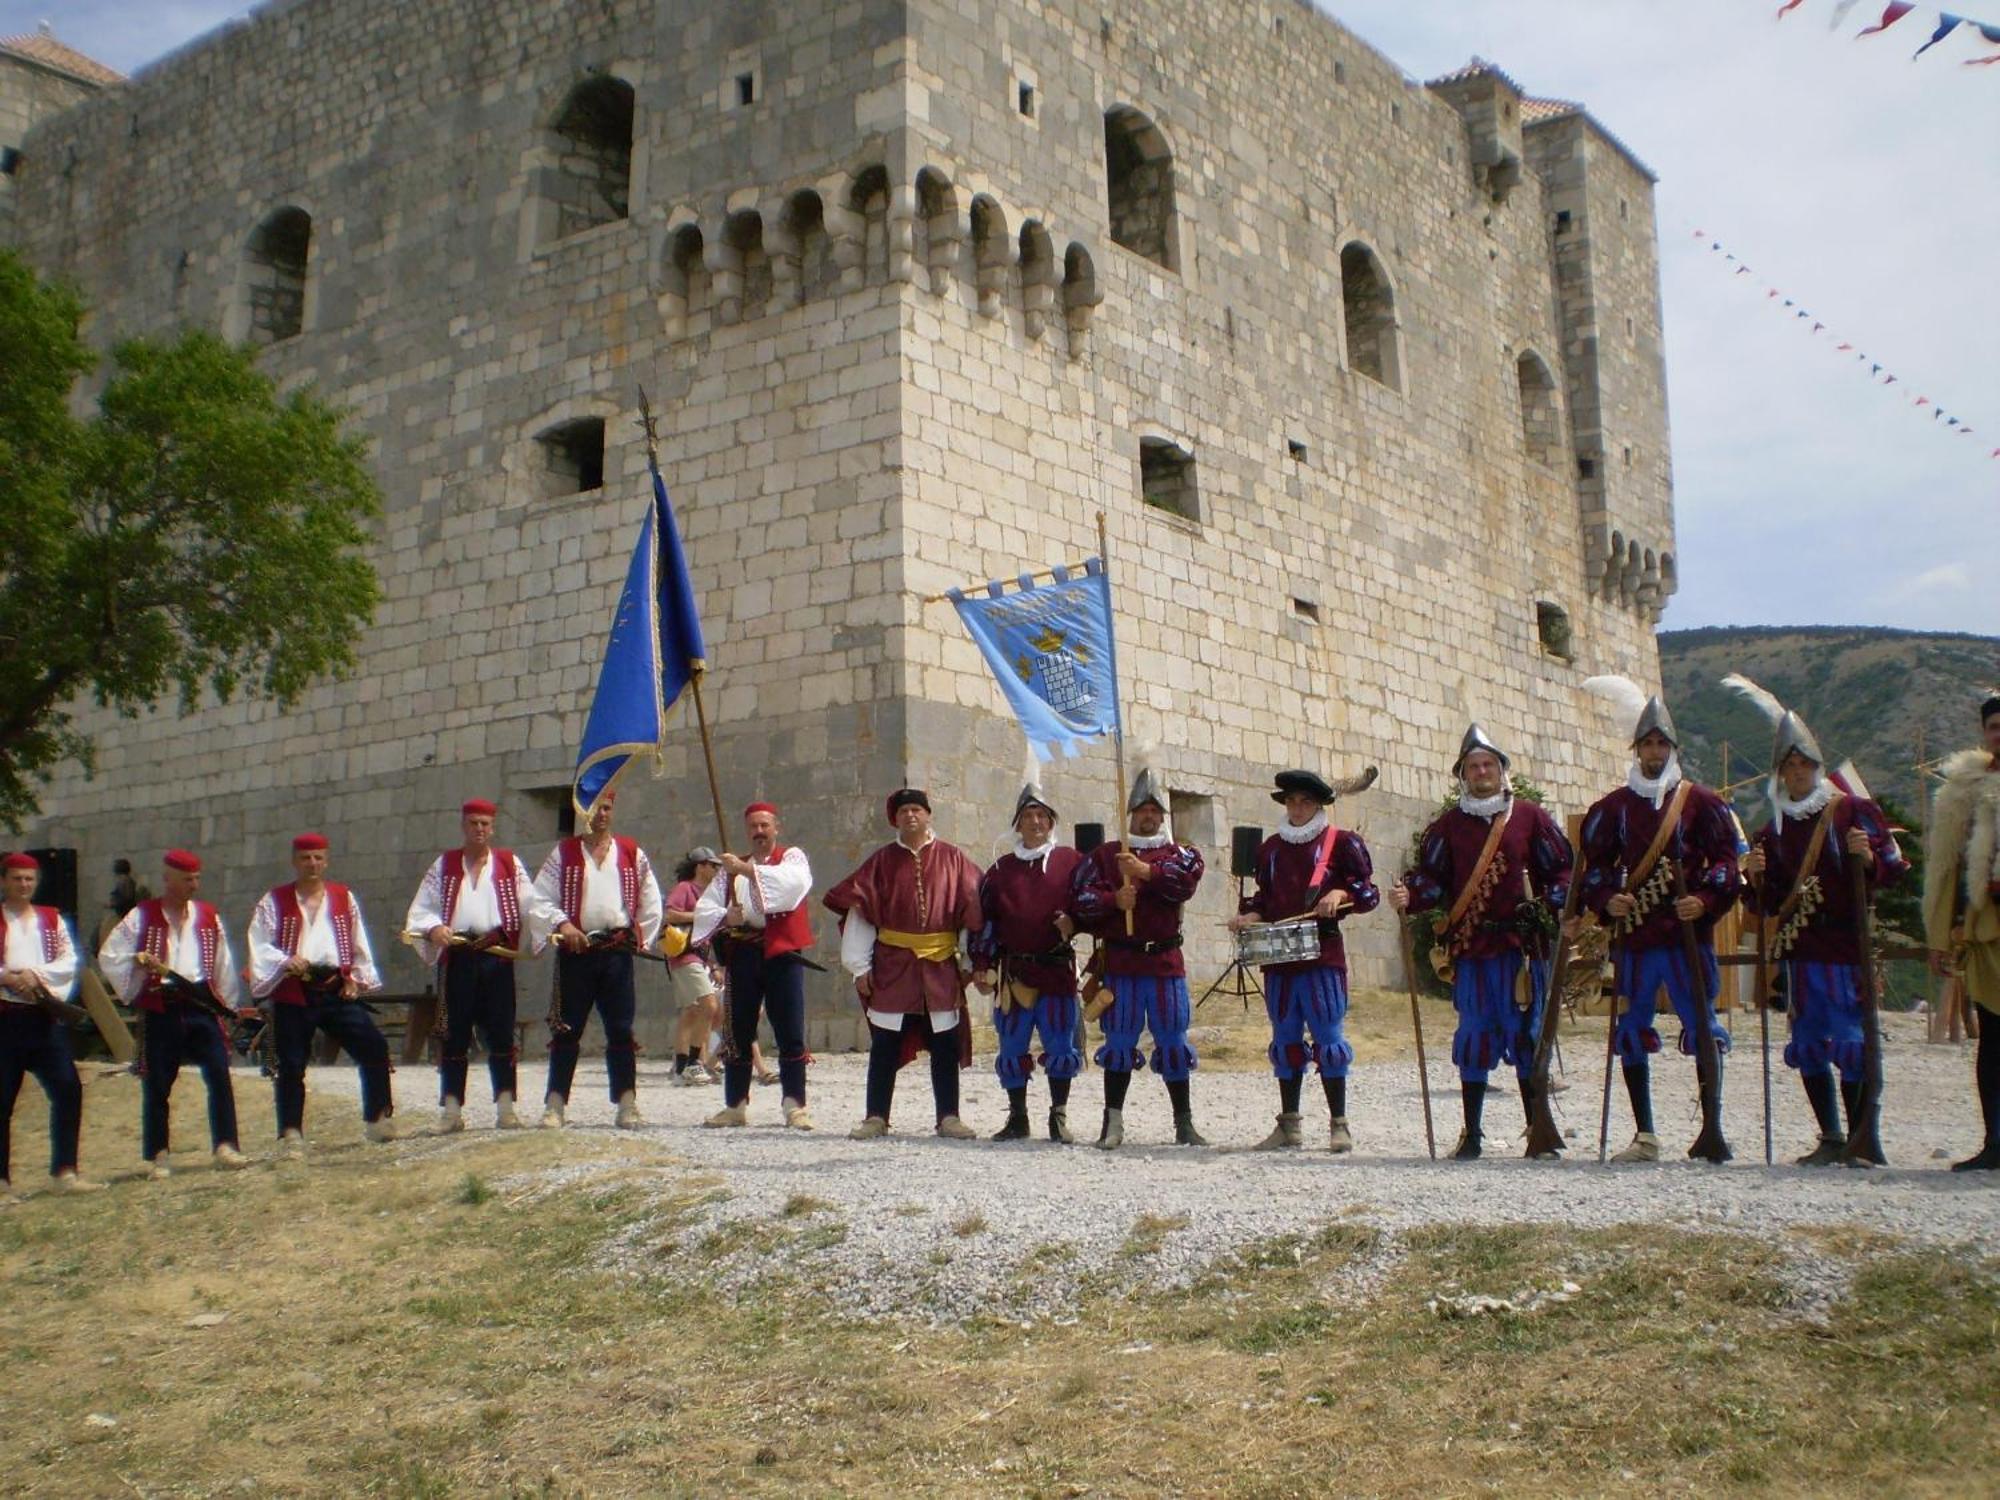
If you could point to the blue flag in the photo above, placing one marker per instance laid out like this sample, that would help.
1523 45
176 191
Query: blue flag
654 652
1051 648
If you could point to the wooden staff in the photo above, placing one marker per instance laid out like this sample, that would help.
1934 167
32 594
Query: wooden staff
1610 1056
1763 983
1121 821
695 669
1417 1026
1864 1135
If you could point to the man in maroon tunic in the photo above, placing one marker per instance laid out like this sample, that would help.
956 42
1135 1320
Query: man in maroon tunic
1497 866
1149 878
1022 957
1309 868
902 914
1801 883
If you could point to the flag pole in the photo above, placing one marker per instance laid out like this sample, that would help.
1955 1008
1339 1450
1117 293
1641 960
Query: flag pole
696 670
1117 689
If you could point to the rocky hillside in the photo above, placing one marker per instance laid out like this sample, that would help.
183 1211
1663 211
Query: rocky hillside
1885 698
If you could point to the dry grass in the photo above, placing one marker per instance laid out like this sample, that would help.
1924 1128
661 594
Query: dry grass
385 1334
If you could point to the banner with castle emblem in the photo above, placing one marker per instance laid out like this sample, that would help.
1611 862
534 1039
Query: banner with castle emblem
1051 650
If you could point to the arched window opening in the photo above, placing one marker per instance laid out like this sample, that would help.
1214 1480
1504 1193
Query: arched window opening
1541 417
1140 167
1167 479
572 455
1370 311
591 181
274 280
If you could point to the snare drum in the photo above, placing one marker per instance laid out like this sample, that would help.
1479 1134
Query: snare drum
1293 942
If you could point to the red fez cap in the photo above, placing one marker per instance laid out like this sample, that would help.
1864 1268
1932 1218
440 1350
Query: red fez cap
20 862
905 797
180 859
764 807
308 841
478 807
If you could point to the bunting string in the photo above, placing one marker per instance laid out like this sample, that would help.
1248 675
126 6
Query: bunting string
1945 422
1947 23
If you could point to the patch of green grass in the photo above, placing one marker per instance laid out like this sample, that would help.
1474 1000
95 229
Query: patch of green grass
474 1190
1149 1232
803 1205
967 1225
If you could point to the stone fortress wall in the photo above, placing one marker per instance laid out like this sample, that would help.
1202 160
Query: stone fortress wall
1365 374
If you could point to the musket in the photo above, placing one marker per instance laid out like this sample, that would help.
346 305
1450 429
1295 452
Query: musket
1864 1133
1709 1145
60 1011
1762 992
1544 1139
1417 1026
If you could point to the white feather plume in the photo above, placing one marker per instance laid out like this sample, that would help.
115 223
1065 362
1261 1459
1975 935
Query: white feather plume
1765 703
1626 698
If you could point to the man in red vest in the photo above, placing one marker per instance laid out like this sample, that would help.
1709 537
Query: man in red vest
757 905
310 957
170 958
609 901
37 957
478 912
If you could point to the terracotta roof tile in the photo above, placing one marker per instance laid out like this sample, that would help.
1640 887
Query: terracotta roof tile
42 47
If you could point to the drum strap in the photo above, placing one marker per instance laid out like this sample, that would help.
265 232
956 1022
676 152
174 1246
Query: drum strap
1321 861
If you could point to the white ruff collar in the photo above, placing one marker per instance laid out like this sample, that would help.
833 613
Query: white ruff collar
1306 832
1158 840
1783 807
1656 791
1035 855
1484 807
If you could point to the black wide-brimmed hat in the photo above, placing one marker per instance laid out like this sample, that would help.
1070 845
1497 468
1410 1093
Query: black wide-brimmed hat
1310 783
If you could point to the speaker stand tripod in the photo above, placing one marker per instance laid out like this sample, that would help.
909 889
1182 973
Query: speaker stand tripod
1237 975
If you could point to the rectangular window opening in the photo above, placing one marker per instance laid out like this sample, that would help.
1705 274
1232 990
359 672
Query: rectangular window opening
1024 99
10 160
1166 479
1305 609
1586 468
1340 72
1563 220
1297 450
746 88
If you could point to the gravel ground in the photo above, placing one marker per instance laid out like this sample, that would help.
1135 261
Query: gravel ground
941 1230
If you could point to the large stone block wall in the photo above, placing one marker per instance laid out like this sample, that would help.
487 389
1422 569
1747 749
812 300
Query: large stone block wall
864 406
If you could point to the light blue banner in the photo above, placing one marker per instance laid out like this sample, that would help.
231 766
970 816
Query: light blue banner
1051 649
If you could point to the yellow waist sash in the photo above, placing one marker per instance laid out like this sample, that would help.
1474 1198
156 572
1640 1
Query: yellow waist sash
938 947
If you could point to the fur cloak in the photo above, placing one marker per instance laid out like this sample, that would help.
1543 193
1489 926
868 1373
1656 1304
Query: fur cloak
1962 856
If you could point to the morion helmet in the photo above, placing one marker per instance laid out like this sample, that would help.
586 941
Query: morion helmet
1476 738
1031 796
1654 716
1793 735
1146 789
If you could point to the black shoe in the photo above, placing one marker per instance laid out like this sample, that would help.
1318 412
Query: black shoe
1827 1153
1016 1128
1184 1132
1988 1160
1468 1146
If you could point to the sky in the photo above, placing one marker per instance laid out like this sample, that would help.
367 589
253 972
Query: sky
1861 184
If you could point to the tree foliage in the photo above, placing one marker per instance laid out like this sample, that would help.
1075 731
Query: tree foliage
197 534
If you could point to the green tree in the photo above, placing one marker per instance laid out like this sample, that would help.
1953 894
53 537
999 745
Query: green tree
196 534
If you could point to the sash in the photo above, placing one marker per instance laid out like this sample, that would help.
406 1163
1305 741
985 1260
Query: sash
1669 821
937 947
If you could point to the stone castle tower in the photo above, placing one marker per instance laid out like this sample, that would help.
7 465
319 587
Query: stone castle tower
1366 375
